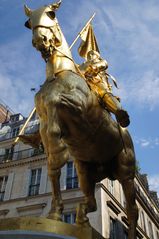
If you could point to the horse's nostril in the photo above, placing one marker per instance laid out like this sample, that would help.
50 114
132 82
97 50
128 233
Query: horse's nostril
44 38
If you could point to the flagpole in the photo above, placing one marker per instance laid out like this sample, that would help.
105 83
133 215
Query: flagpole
91 18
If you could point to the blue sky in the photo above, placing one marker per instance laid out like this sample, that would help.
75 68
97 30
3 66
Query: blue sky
128 37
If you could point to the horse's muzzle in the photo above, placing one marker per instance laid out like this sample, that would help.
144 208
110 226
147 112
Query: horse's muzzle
44 47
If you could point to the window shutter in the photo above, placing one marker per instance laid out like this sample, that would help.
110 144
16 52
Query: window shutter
43 180
25 187
63 178
8 188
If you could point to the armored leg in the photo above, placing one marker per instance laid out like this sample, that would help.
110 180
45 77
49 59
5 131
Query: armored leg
114 106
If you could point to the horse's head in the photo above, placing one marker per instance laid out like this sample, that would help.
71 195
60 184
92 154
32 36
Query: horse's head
44 25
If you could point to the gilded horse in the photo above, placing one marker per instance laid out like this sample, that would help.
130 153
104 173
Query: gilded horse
72 122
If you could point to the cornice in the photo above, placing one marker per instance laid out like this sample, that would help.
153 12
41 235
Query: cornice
14 163
146 192
31 207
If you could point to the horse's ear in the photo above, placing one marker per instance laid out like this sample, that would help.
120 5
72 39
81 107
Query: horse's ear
28 24
51 14
27 10
55 6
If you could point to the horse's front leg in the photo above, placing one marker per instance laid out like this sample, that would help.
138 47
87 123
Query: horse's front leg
57 157
57 204
55 150
87 185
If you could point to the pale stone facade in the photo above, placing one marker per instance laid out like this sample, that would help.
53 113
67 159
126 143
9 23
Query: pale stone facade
25 190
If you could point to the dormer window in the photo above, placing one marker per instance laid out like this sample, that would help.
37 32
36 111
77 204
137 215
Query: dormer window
16 118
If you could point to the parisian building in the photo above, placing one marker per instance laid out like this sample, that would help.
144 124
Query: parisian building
25 189
5 112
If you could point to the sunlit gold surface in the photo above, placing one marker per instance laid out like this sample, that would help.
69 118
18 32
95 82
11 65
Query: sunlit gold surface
52 44
72 122
94 70
47 225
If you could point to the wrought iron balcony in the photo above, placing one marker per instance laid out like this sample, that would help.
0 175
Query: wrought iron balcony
23 154
13 132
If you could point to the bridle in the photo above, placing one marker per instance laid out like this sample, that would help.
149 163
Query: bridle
51 29
56 48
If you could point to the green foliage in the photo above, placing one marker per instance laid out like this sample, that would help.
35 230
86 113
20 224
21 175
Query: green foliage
137 167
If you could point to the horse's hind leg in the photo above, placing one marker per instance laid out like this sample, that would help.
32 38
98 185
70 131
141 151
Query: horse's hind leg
132 211
125 173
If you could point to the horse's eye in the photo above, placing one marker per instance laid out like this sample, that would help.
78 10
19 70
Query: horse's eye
51 14
28 24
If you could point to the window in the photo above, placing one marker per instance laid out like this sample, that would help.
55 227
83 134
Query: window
122 197
14 118
71 180
3 182
113 229
15 132
8 153
111 186
69 217
35 182
143 225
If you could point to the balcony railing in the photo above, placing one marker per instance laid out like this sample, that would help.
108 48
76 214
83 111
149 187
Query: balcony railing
18 155
9 134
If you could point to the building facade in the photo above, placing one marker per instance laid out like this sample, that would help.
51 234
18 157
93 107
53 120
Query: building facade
5 112
25 189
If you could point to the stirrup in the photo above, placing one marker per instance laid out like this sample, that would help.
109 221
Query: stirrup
122 118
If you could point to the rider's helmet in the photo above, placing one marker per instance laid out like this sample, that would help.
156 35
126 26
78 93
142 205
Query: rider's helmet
92 55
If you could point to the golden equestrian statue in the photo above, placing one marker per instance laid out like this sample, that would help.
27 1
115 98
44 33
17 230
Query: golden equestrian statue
72 122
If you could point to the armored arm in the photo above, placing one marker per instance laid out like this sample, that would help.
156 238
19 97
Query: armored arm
92 68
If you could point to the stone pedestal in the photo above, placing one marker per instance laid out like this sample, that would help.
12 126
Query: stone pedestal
34 227
20 234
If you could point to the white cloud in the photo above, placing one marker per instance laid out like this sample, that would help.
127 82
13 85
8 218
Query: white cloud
147 142
145 90
154 183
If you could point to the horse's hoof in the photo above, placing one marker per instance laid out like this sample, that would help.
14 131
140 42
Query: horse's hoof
84 222
55 216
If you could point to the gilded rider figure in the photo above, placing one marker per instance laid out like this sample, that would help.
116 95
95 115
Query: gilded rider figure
94 70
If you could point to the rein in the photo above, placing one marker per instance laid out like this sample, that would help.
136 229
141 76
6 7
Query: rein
50 28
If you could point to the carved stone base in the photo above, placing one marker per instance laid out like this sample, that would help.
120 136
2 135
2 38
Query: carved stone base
44 226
